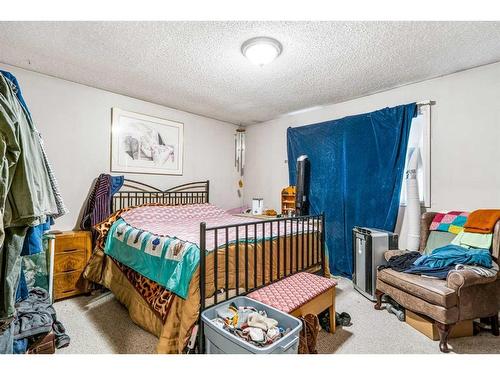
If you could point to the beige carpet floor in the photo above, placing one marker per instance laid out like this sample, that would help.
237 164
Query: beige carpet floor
100 324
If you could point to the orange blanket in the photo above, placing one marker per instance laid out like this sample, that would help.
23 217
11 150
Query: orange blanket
482 221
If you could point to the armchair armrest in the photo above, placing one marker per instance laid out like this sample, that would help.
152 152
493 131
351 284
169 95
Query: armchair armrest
459 279
392 253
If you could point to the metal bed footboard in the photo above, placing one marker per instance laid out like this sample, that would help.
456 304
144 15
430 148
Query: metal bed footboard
286 253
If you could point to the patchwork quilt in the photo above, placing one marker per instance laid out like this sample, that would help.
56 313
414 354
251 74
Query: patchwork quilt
452 221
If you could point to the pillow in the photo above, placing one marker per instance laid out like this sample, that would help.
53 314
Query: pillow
438 239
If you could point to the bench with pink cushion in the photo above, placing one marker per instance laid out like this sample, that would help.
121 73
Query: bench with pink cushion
300 294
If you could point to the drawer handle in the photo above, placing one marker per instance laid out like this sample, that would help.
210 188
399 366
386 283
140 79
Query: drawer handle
70 250
71 270
68 291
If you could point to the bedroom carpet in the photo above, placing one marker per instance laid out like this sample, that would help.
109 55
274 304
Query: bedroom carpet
100 324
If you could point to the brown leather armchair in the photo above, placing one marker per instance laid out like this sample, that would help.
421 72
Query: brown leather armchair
463 296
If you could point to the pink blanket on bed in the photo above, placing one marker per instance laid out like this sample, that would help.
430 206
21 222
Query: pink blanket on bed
183 222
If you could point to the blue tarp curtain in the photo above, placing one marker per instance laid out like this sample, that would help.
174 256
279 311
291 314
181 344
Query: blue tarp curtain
356 166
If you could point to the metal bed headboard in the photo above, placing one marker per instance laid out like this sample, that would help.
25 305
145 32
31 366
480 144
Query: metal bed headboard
134 193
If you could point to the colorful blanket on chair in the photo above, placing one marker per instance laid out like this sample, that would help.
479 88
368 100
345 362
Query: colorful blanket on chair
452 221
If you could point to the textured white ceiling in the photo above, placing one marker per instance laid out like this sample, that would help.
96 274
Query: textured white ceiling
198 67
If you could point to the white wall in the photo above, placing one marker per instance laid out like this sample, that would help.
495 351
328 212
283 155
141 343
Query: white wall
465 139
75 122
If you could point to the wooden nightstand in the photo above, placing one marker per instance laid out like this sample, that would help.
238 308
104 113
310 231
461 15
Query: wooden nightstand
72 251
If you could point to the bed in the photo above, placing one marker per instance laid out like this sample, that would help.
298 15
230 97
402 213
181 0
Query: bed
202 256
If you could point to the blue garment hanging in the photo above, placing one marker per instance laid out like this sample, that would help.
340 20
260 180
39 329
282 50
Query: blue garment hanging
116 184
357 167
33 242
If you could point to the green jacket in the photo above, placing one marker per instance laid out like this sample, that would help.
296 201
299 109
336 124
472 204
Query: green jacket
26 188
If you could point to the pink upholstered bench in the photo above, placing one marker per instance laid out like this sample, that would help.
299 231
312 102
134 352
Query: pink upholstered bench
300 294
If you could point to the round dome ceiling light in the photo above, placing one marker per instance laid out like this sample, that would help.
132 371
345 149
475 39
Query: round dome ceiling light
261 50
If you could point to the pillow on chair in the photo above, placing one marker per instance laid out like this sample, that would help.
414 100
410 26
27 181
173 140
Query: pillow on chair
438 239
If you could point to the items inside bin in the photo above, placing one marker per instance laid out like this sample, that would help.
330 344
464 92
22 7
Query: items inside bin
249 324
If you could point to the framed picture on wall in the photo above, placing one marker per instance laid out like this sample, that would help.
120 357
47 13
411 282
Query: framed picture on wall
145 144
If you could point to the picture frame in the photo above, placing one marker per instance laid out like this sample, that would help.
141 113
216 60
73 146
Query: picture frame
145 144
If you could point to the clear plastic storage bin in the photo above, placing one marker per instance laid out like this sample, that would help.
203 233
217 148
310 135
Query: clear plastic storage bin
220 341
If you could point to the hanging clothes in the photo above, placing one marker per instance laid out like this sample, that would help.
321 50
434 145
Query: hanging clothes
99 202
33 243
34 140
29 195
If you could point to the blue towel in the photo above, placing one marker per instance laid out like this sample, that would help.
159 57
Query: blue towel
451 255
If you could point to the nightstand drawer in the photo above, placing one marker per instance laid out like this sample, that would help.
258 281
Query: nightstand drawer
68 244
68 283
72 251
70 260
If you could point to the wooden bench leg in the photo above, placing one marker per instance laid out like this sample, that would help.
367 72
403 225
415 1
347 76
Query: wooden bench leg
331 310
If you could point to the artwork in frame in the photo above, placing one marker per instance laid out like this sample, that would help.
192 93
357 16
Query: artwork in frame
145 144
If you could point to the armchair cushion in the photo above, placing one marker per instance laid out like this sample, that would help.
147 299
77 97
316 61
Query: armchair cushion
431 290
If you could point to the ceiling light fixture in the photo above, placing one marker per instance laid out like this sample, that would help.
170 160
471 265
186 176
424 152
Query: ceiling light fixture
261 50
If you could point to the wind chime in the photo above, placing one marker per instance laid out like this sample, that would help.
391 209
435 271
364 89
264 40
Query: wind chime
239 150
239 156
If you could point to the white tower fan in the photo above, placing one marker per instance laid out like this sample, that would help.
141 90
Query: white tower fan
413 203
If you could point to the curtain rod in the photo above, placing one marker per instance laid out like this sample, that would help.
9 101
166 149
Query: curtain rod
424 102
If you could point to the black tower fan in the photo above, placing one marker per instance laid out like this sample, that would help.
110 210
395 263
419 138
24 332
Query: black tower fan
302 187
